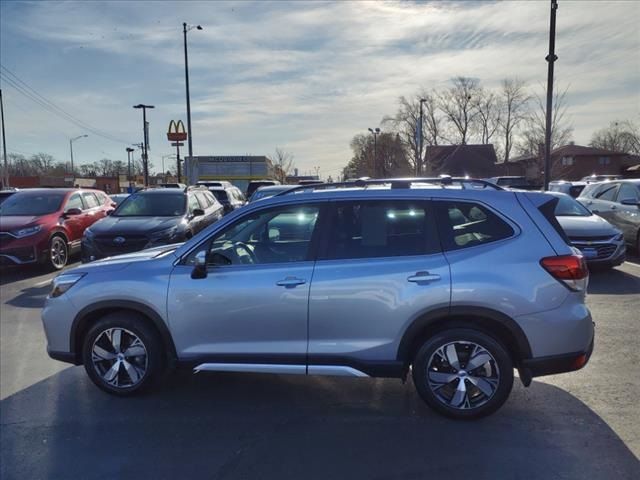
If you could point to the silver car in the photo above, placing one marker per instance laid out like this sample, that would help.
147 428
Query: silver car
454 284
601 243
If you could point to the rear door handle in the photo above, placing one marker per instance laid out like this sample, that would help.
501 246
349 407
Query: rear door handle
423 277
290 282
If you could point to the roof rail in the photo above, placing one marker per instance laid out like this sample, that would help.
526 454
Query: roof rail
397 183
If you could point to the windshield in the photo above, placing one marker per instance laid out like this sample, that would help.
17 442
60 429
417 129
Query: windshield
152 205
32 204
568 207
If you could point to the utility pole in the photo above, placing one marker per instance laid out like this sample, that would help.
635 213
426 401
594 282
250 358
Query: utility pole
5 176
129 155
186 28
178 145
145 149
551 58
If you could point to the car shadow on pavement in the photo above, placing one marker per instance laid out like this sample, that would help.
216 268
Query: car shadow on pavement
221 426
32 297
613 282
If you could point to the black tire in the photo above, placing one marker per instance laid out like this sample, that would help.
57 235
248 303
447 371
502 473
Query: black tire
149 367
475 403
57 261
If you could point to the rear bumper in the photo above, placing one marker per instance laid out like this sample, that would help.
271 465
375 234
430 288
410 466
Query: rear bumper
570 362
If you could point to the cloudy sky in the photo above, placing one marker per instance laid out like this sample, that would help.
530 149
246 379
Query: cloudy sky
304 76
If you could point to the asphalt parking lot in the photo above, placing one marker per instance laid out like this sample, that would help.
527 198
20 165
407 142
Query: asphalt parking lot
56 425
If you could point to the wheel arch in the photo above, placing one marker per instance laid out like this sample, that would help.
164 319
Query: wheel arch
92 313
500 326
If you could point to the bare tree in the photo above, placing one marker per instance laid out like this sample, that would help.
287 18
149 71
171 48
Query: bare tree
619 136
283 164
535 123
514 102
458 105
489 110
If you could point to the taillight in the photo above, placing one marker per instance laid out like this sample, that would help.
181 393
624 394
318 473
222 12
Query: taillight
569 269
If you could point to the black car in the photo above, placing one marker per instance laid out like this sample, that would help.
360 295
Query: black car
231 197
150 218
256 184
618 202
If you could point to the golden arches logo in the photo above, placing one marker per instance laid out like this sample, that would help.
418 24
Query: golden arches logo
176 132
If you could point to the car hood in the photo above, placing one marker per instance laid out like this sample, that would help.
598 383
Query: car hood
10 222
133 225
592 226
121 261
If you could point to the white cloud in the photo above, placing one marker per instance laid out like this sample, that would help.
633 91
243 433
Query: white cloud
310 75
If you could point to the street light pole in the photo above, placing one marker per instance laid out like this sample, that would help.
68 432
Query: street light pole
71 140
375 133
420 141
145 149
551 58
186 28
5 176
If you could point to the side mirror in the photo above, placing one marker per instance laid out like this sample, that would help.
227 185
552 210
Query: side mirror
114 204
200 266
631 202
197 212
72 211
109 212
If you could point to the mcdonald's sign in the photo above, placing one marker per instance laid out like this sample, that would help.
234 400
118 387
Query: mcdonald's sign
176 132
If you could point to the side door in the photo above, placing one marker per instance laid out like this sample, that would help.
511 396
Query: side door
379 268
627 217
74 223
251 308
195 221
604 200
94 210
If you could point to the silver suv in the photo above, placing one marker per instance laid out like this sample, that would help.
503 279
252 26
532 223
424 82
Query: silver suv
458 283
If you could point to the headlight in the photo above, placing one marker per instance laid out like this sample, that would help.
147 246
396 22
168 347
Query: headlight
166 234
64 282
618 237
25 232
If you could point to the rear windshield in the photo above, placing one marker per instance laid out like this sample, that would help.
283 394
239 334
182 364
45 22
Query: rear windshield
152 205
32 203
220 195
548 211
568 207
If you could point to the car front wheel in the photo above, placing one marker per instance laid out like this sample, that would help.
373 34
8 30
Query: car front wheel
122 354
463 373
58 253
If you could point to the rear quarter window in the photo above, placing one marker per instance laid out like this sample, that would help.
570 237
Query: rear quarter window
468 224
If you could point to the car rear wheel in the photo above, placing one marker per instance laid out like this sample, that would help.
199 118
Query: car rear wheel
463 373
122 354
57 254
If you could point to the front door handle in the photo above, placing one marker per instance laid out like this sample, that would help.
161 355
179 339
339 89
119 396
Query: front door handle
423 277
290 282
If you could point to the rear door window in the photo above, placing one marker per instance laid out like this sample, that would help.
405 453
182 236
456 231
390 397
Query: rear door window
374 229
468 224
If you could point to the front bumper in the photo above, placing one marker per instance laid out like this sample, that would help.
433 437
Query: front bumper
609 253
20 251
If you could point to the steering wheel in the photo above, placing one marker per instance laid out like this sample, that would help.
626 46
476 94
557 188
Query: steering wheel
245 247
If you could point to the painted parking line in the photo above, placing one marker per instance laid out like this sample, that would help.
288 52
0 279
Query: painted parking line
43 283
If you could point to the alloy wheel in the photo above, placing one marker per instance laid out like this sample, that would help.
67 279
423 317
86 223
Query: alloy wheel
463 375
58 253
119 357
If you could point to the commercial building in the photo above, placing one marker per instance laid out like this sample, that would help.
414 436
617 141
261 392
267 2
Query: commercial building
239 170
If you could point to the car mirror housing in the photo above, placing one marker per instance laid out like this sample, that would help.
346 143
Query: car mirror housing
200 265
197 212
72 211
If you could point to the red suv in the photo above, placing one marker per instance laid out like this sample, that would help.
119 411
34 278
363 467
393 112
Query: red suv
45 225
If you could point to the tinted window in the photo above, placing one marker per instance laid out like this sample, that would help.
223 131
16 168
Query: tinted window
90 200
568 207
220 195
151 205
467 224
607 192
277 235
75 202
379 229
32 203
628 191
